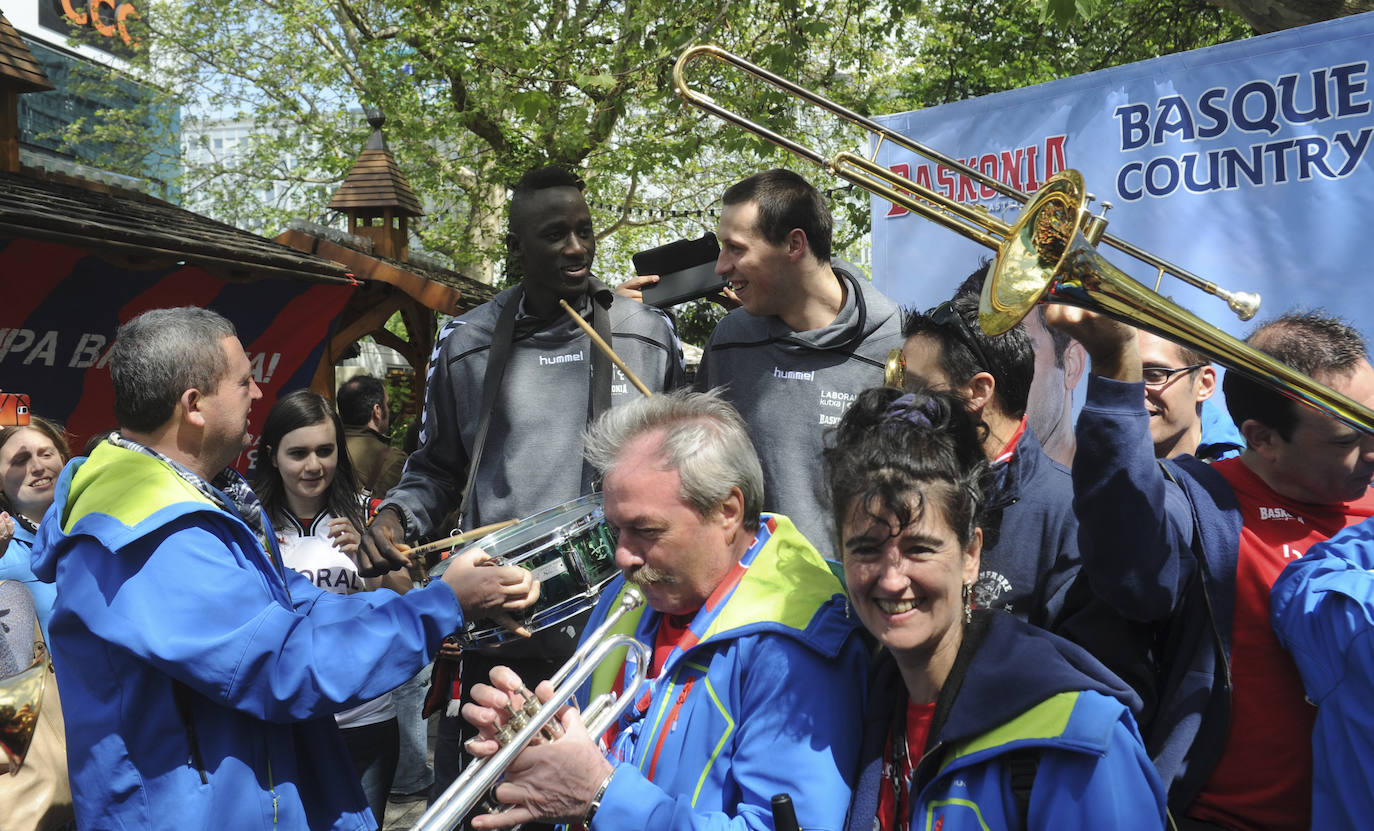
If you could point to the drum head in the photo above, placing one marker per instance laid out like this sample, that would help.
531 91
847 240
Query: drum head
570 549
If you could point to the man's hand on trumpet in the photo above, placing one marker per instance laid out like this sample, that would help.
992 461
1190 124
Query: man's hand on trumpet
550 780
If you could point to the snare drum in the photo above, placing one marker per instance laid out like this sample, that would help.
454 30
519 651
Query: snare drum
569 549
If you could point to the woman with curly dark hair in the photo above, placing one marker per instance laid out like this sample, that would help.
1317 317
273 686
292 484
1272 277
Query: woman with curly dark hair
975 719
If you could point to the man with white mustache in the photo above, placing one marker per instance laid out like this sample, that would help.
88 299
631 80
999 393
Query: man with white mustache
755 680
811 335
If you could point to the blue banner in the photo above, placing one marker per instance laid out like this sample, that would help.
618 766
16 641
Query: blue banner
1250 164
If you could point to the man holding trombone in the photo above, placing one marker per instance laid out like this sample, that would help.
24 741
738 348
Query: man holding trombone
1192 549
756 678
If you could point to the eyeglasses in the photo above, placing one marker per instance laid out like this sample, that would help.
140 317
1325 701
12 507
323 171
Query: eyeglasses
946 315
1158 376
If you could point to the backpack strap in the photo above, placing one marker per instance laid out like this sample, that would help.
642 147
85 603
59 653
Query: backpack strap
1022 766
1205 575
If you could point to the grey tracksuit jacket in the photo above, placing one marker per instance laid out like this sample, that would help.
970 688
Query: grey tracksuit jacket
792 386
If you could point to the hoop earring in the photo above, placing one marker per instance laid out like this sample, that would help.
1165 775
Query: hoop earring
967 596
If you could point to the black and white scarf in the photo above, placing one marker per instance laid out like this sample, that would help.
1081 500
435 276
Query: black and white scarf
229 490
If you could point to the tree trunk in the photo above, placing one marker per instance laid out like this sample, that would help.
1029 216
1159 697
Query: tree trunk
1274 15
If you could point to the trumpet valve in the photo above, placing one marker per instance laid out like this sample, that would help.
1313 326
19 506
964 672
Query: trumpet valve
508 731
531 705
519 717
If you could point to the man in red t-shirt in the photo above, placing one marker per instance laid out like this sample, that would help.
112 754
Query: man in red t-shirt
1195 558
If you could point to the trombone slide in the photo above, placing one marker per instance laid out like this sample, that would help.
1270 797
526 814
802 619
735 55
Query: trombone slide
1047 255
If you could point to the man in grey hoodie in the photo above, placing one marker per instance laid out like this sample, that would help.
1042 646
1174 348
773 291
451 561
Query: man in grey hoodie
554 382
812 334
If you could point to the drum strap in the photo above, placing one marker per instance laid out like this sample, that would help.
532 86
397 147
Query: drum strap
601 362
502 338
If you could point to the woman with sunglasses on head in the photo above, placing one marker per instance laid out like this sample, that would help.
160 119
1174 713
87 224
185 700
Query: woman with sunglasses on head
306 484
975 719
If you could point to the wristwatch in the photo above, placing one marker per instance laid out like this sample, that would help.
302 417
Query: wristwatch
596 800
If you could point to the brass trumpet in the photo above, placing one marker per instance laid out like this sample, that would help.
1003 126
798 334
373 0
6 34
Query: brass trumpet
1047 255
480 776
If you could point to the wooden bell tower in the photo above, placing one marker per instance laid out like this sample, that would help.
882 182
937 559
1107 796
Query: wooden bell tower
377 198
19 73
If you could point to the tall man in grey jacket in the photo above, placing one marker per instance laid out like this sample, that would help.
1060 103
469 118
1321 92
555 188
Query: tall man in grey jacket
553 383
812 334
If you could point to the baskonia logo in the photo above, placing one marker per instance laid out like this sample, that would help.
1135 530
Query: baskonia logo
108 18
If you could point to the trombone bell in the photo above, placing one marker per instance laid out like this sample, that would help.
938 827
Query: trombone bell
1032 251
1047 258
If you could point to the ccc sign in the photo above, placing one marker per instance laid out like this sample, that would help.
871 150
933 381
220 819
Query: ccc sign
108 18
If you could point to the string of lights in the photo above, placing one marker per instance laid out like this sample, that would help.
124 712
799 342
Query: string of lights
647 212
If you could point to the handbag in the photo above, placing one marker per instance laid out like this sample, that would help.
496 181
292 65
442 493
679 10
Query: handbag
38 797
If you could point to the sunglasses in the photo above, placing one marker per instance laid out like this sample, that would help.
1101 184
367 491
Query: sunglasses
946 315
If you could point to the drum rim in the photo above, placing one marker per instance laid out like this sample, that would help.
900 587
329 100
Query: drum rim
494 539
497 635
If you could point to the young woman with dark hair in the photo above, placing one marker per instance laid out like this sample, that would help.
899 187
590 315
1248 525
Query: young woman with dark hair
305 481
31 458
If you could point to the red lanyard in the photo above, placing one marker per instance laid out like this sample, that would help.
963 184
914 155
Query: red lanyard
910 727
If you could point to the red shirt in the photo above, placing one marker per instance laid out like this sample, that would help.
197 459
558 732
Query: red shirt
1264 778
900 758
1010 449
671 628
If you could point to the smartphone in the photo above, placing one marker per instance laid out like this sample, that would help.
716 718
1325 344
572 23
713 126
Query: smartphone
686 270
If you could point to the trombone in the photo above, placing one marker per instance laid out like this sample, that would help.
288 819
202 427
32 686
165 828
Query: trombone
876 179
527 723
1049 254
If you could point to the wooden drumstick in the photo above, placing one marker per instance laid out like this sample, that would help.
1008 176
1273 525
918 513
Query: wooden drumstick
605 347
449 542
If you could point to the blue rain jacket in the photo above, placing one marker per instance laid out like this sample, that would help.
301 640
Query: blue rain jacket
1322 609
1016 690
15 565
762 697
199 679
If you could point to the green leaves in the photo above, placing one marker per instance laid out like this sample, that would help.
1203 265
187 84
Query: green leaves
532 105
1065 12
602 81
477 91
